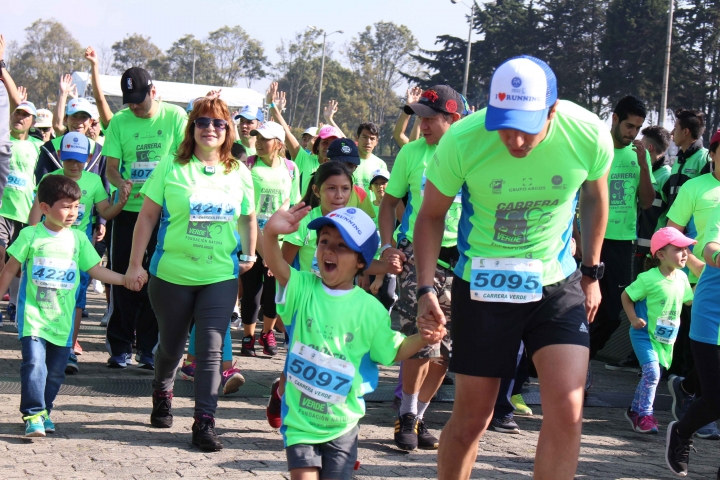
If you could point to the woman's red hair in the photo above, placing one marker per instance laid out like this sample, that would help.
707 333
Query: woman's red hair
212 108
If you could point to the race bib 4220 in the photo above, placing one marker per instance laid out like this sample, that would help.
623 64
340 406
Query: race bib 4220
57 273
318 375
507 280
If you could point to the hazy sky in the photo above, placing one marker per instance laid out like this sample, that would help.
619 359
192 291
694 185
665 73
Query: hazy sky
105 22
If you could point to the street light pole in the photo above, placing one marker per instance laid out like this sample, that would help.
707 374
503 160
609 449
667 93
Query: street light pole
194 58
666 73
322 69
467 53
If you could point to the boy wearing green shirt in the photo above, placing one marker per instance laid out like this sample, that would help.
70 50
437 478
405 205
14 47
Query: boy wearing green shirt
332 359
630 182
367 140
51 256
76 149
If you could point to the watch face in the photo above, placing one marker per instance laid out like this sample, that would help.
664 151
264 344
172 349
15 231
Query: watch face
600 271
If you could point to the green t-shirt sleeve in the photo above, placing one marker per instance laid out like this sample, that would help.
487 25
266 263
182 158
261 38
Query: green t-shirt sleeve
637 290
247 206
87 256
683 207
398 184
386 341
604 156
154 188
112 147
295 195
444 170
21 246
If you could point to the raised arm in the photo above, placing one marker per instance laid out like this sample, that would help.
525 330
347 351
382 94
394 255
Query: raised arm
10 86
276 100
64 89
100 101
413 95
329 114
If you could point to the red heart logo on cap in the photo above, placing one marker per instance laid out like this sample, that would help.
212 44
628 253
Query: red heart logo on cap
501 96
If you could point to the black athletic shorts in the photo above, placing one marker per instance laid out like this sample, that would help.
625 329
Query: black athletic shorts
486 335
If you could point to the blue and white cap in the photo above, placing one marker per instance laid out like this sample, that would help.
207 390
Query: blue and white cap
356 228
29 107
76 105
522 91
75 146
250 113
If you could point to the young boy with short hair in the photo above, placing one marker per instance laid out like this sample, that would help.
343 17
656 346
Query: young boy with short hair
338 334
74 151
51 256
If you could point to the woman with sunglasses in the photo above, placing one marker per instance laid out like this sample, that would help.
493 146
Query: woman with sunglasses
203 198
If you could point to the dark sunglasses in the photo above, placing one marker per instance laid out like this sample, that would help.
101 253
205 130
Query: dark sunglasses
204 122
44 129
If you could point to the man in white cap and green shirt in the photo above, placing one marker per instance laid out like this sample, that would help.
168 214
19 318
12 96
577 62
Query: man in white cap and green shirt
521 165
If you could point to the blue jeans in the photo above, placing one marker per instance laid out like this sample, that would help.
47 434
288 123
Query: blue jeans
41 373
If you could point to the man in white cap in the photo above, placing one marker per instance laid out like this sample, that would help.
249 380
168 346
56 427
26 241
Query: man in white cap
43 125
519 165
18 195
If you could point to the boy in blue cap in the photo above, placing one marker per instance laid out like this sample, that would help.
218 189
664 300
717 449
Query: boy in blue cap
332 358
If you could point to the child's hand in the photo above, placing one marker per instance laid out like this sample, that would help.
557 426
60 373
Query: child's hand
376 284
430 330
394 262
638 323
284 221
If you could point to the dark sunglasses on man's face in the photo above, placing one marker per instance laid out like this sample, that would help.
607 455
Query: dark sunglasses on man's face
44 129
204 122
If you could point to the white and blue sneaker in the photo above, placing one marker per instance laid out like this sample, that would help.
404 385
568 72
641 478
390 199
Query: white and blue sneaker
145 361
48 424
117 361
709 432
34 425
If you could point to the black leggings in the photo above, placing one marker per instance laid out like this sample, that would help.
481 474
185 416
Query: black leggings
258 287
705 409
176 306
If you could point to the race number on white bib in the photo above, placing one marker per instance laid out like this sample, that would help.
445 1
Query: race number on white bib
666 330
140 171
17 180
55 273
506 280
80 215
211 207
318 375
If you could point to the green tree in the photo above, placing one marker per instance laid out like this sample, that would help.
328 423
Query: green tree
186 51
632 50
138 51
298 72
48 52
237 55
378 57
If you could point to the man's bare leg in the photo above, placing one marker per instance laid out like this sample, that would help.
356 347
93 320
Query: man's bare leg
472 411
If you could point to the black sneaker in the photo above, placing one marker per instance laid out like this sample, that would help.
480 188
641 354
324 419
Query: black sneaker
161 416
504 425
629 364
425 439
203 434
406 432
248 346
677 451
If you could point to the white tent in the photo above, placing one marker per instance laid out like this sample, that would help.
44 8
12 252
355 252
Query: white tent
177 93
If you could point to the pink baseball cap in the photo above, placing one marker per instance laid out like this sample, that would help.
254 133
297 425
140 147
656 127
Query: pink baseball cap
669 236
329 131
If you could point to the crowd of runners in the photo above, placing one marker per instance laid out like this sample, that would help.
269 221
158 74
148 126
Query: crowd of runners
508 241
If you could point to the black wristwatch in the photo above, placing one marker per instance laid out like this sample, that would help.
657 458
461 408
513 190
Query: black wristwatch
423 290
3 64
595 272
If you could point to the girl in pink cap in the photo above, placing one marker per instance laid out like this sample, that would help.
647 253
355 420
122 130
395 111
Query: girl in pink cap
652 304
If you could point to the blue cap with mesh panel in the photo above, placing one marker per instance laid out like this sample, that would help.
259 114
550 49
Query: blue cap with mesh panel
522 91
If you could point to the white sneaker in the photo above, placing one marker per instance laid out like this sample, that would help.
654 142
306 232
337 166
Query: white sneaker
98 286
235 321
106 318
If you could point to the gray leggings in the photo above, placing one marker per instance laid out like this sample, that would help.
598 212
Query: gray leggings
175 306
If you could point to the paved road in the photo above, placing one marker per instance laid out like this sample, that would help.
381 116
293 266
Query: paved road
110 436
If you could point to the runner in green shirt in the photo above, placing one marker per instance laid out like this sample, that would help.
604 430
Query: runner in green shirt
332 359
51 256
367 139
247 120
630 182
138 138
438 109
522 164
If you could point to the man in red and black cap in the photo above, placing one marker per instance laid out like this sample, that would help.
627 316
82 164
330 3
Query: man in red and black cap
137 139
439 107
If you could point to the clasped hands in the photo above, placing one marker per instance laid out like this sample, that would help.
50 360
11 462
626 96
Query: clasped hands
135 278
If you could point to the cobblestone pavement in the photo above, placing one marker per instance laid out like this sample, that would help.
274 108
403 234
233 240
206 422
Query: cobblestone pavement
110 436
